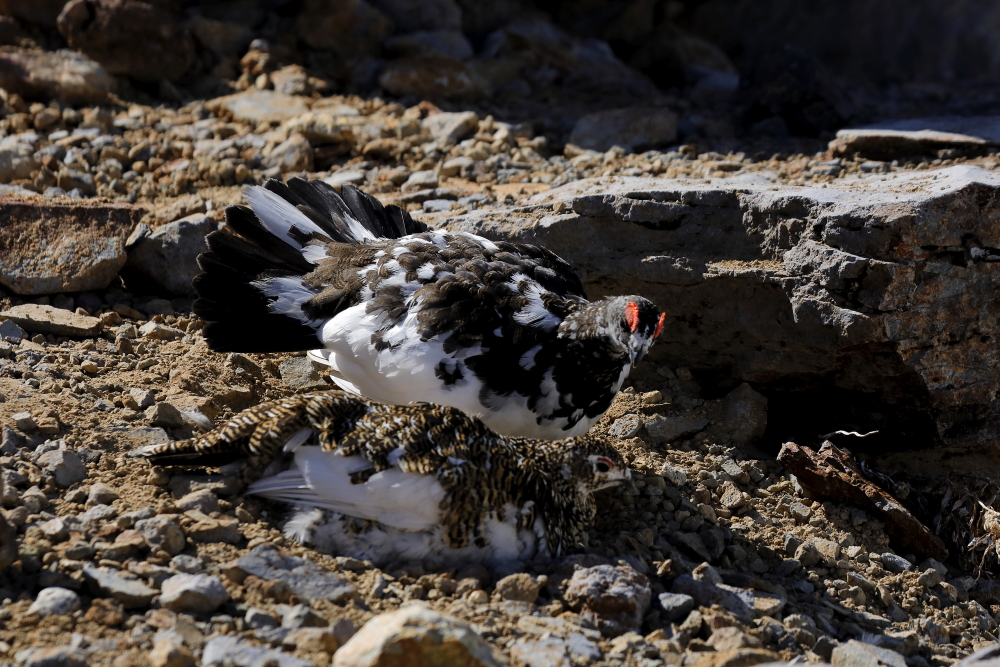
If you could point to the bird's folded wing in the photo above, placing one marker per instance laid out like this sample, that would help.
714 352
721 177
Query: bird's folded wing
323 479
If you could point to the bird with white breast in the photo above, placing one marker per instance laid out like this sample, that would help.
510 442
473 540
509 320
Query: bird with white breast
402 313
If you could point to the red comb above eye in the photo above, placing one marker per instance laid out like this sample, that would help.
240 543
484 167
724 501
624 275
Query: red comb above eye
659 326
632 316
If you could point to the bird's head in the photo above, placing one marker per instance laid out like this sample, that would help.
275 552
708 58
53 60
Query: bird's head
643 324
593 463
629 324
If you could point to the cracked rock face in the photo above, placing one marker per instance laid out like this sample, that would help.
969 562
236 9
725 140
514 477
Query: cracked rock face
883 289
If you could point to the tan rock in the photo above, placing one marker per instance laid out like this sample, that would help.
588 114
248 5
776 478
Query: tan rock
743 657
49 320
520 586
416 635
167 652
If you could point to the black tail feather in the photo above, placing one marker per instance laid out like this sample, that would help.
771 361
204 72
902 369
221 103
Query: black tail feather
237 313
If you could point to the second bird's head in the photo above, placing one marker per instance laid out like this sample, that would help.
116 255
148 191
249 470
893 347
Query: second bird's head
628 323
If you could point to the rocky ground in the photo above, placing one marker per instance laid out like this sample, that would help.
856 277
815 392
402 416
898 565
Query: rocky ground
713 555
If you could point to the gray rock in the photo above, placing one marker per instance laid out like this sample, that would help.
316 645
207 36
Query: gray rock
437 205
50 320
420 180
626 427
65 465
618 595
258 618
302 374
159 331
168 257
745 414
342 178
55 530
162 533
582 649
144 397
857 654
17 161
165 415
918 136
72 180
301 616
202 499
230 650
668 429
738 601
548 652
934 631
187 564
895 564
24 421
305 579
448 128
819 315
676 606
54 601
76 247
634 129
130 593
293 154
196 593
101 494
56 656
11 332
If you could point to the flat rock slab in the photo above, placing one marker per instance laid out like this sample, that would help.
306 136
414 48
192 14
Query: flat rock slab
263 106
51 320
305 579
230 650
761 282
130 593
48 248
913 136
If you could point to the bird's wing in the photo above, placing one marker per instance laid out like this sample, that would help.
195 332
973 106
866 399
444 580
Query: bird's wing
409 501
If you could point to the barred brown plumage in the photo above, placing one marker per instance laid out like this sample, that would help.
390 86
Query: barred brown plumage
485 479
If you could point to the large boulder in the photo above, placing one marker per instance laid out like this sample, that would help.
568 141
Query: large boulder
64 75
168 257
866 304
49 247
141 40
349 27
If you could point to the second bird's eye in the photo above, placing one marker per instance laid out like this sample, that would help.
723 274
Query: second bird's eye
603 467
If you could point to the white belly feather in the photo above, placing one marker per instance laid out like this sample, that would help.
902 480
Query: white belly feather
399 375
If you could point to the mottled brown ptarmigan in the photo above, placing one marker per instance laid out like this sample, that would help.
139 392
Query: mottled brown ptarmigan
393 483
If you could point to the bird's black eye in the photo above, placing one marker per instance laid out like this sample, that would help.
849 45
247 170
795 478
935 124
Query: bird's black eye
603 467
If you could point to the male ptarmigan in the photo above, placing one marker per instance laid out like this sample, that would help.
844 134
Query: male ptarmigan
500 330
392 483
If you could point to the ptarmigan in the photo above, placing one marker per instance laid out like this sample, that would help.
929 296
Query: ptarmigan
497 329
393 483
